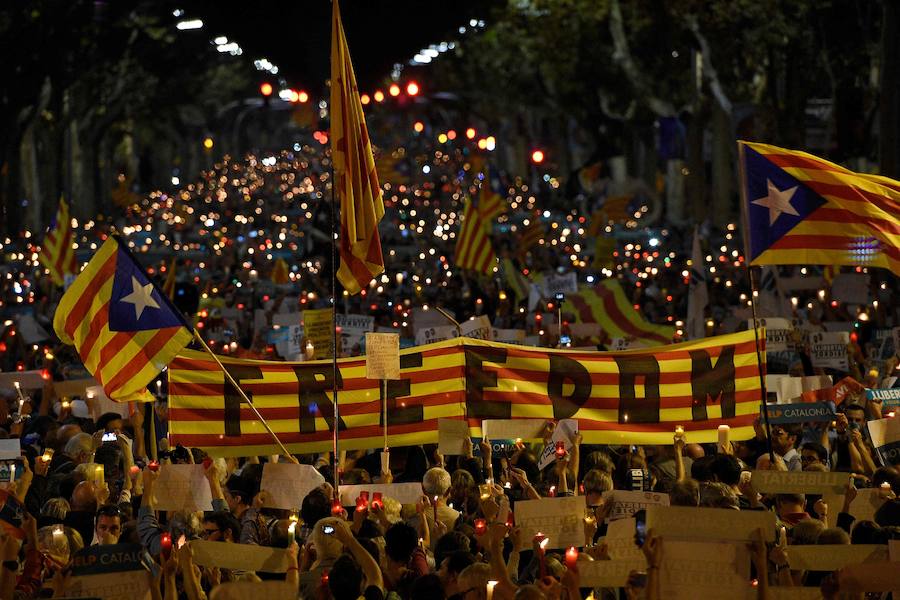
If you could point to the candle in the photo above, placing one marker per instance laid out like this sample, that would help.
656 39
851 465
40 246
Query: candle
434 505
679 430
325 577
48 455
490 589
542 541
480 526
560 449
552 492
376 500
98 474
165 542
884 489
292 528
65 404
336 508
361 503
571 557
485 490
510 520
153 466
589 516
723 437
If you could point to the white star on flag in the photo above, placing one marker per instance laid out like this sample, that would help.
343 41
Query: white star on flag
141 297
778 201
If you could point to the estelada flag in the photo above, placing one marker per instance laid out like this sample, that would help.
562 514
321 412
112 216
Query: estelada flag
57 253
801 209
356 179
125 330
630 397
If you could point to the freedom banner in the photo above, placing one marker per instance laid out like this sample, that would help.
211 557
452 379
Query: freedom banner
633 397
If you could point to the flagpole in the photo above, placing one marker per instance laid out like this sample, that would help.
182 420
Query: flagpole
753 293
334 367
231 380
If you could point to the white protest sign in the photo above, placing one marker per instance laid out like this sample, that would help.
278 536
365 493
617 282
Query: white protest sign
425 317
288 484
452 435
704 570
559 284
560 519
789 388
625 503
382 356
99 403
246 557
438 333
404 493
182 487
352 330
476 327
619 540
10 449
832 557
510 429
709 524
28 380
852 288
608 573
829 350
564 432
779 333
885 435
508 336
799 482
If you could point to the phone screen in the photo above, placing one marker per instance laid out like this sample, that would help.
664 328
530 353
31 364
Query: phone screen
327 529
640 527
109 437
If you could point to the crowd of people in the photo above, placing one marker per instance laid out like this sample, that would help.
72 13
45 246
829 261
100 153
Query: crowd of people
227 232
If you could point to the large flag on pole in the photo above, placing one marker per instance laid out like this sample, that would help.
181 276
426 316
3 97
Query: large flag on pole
57 253
355 177
801 209
698 295
473 244
125 330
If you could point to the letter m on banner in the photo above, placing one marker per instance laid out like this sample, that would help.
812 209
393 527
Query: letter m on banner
712 384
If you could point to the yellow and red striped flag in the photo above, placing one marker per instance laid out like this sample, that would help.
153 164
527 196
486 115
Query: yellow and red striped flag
801 209
473 243
57 253
631 397
607 305
356 179
125 330
169 284
490 204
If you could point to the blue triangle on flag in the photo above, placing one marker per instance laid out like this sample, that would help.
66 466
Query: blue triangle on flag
759 173
133 306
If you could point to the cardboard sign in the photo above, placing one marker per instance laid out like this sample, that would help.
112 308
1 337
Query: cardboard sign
110 572
510 429
438 333
619 540
382 356
74 387
779 333
885 435
789 388
704 570
245 557
565 430
626 503
10 449
182 487
888 398
560 519
241 590
352 330
477 327
288 484
608 573
799 482
709 524
802 412
28 380
846 388
852 288
452 434
829 350
404 493
559 284
832 557
317 325
866 503
508 336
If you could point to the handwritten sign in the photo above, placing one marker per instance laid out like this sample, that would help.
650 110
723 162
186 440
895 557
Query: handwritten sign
452 435
608 573
288 484
182 487
885 434
560 519
625 503
709 524
382 356
799 482
478 328
832 557
245 557
317 326
404 493
829 350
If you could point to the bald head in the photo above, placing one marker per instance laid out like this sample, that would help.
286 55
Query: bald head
84 497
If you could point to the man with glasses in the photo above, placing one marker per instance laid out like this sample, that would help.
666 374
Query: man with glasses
814 457
220 527
784 441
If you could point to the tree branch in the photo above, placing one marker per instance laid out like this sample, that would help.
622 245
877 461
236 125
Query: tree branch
709 71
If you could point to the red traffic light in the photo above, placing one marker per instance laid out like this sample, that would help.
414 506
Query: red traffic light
265 89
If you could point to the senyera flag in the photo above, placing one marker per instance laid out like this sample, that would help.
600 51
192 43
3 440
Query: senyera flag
57 251
606 304
355 177
630 397
125 330
801 209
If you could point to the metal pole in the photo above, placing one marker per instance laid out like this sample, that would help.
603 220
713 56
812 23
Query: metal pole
762 376
334 367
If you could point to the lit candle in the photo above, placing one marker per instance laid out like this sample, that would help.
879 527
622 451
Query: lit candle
336 508
98 474
57 533
165 542
153 466
560 449
376 500
434 505
884 489
490 589
679 430
542 541
292 528
361 503
485 490
723 437
480 526
48 455
589 516
12 472
571 557
552 492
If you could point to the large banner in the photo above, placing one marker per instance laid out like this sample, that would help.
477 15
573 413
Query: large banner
633 397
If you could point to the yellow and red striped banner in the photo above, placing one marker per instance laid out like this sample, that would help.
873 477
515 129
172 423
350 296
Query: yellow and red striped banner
633 397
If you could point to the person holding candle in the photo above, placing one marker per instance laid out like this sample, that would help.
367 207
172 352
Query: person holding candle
436 483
